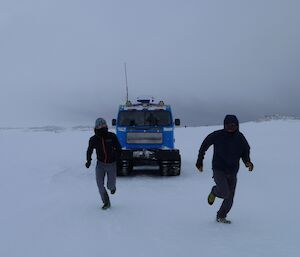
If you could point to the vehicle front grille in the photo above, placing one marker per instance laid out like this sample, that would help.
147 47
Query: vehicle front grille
144 138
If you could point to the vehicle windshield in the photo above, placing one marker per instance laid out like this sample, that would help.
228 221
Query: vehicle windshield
145 118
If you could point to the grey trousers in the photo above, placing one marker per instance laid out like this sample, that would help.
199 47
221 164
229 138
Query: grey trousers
109 169
225 189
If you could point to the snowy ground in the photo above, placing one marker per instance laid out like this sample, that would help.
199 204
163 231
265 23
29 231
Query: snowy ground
50 205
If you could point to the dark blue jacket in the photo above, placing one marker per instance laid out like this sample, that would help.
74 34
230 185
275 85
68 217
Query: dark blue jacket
229 148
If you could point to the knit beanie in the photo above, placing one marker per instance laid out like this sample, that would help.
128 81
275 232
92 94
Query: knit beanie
100 123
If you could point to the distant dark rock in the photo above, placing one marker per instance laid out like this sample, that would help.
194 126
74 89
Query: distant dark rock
278 117
55 129
82 128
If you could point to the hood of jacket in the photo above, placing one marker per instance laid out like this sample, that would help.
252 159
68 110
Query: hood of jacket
229 118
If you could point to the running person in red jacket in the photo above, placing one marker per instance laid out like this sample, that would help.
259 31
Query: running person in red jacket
108 150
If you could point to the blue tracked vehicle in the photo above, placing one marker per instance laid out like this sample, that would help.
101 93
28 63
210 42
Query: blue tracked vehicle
146 132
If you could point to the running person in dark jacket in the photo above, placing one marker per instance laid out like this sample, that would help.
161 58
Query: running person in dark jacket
108 151
230 146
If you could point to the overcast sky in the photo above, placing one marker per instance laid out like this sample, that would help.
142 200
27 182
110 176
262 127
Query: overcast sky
62 61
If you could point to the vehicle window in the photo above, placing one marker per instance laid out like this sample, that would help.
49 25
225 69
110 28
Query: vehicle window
144 118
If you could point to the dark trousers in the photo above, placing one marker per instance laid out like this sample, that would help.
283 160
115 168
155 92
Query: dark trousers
109 169
225 189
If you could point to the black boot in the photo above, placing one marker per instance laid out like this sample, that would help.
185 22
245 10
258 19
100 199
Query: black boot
106 205
223 220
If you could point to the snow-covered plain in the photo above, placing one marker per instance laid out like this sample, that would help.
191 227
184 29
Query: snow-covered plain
50 204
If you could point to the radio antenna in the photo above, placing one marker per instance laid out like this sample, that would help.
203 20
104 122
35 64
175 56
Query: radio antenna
126 83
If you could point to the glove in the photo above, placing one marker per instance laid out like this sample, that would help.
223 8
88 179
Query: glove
88 164
199 167
250 166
